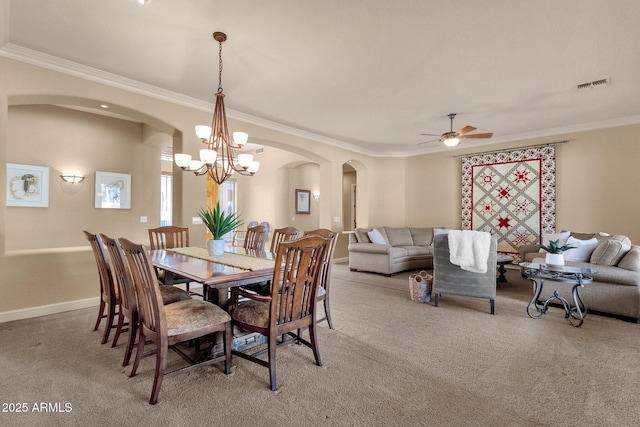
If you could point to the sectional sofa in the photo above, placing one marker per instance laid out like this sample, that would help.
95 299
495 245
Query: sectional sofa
388 250
616 286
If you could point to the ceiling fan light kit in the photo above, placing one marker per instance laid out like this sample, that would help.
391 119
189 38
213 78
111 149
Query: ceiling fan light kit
451 138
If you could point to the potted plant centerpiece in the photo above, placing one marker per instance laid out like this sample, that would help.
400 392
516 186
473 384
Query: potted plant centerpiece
554 252
218 224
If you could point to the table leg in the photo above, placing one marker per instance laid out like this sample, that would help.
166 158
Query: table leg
538 284
579 308
502 270
219 297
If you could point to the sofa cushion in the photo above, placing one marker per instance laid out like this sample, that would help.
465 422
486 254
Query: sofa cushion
631 261
362 236
398 236
398 252
421 236
582 236
582 249
417 250
611 250
376 237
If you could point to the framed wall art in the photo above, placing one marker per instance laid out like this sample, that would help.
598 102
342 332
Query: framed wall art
303 201
27 185
113 190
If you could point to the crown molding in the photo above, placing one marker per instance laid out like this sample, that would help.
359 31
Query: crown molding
43 60
51 62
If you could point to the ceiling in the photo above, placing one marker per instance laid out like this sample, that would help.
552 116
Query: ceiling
367 75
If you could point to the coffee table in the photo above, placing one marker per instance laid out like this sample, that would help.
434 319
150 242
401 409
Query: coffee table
579 276
502 260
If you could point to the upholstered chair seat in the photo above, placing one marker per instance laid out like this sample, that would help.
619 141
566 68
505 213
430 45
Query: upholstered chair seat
171 294
255 313
188 316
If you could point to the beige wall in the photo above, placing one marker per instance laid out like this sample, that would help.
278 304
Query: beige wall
48 272
596 180
68 139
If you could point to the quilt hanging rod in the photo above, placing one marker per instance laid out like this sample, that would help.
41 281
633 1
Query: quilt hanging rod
546 144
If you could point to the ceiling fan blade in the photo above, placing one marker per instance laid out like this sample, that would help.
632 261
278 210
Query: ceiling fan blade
427 142
429 134
465 129
478 135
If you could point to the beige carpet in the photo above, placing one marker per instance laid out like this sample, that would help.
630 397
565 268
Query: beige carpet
389 362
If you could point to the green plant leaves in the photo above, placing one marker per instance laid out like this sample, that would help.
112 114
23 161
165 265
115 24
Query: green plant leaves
218 222
554 247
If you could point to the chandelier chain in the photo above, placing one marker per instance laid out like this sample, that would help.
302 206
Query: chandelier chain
220 67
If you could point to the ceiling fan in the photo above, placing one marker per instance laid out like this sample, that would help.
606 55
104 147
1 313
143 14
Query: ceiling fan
451 139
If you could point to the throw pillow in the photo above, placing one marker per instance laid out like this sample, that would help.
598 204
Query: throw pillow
362 236
611 251
376 237
582 251
631 261
561 237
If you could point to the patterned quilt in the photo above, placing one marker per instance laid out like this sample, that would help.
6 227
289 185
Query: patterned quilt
510 194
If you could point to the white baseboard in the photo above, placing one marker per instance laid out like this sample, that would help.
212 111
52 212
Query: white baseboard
340 260
43 310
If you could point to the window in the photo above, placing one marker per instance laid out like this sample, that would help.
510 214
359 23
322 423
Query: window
227 199
166 200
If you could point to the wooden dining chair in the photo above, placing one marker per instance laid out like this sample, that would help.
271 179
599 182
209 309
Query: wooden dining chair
128 300
256 238
109 296
240 235
169 237
168 325
290 307
325 273
283 235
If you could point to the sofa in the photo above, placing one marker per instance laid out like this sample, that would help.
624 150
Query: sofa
388 250
616 286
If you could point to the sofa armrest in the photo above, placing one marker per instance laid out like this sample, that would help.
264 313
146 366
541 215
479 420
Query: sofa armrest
370 248
526 249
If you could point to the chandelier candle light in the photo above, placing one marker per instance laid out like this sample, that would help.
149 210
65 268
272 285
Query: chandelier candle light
219 159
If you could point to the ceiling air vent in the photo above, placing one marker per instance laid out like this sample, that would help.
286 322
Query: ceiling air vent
594 84
259 150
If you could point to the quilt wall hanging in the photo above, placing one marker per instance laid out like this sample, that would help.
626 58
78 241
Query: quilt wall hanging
511 194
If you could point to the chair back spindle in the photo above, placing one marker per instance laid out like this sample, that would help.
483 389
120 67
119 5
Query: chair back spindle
283 235
325 272
168 237
256 238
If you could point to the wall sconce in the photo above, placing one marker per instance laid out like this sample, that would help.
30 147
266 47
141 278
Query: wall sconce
316 195
72 177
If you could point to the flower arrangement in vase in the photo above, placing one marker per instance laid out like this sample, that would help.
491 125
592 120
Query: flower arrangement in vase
218 223
554 252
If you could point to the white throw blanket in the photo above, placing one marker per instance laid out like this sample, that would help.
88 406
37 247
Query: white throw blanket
469 249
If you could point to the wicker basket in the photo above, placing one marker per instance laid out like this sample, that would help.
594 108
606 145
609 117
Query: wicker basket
420 285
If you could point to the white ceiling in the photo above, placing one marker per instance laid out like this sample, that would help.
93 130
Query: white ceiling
369 75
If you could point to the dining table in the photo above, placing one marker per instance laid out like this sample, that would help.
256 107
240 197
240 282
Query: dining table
217 274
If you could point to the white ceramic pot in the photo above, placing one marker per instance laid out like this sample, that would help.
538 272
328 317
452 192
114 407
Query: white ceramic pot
554 259
215 247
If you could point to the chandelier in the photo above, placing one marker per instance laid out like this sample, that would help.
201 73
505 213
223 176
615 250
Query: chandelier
220 159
